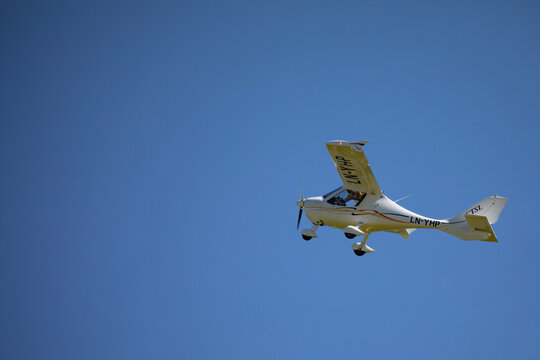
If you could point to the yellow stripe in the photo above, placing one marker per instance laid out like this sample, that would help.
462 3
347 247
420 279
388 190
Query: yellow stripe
361 211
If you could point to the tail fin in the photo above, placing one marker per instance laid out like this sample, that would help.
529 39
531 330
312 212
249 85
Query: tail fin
475 222
490 208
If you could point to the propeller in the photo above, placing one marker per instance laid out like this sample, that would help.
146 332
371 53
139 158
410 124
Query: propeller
301 205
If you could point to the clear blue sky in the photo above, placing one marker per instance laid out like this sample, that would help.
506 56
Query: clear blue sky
151 154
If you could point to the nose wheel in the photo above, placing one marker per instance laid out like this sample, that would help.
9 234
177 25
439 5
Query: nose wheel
308 234
359 252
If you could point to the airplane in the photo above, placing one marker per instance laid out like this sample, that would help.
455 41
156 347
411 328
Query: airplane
360 208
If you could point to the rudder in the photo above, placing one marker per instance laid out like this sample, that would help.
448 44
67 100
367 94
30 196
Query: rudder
490 207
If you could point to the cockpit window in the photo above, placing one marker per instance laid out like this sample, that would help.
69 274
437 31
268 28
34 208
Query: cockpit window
347 198
331 192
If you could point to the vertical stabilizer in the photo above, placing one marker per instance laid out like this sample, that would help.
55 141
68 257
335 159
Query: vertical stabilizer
490 208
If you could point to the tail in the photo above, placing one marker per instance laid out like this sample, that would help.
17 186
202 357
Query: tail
475 222
490 208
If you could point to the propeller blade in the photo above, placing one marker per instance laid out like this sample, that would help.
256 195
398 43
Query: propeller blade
299 218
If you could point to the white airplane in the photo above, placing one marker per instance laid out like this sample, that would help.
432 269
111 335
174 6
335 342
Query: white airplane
360 208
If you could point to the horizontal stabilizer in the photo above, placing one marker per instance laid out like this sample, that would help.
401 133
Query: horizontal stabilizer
481 223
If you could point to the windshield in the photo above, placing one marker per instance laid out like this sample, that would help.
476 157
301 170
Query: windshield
331 192
347 198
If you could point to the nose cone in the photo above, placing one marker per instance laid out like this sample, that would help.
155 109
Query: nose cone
300 203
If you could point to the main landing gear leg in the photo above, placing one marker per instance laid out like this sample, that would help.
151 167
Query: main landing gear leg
360 248
307 234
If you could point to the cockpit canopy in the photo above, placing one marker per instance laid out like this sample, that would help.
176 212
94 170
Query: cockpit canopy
344 197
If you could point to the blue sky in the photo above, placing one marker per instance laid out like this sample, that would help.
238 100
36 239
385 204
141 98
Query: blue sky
151 154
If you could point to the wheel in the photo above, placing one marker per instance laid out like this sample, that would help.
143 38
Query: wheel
350 236
305 237
359 252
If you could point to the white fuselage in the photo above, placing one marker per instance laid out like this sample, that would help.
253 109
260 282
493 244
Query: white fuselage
374 213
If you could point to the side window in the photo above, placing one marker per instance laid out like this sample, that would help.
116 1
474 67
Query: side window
338 200
347 198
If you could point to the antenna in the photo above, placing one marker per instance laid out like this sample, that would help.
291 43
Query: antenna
403 198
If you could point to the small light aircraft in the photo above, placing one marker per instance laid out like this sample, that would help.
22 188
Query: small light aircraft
359 207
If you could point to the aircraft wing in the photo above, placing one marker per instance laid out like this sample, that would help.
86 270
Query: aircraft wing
353 167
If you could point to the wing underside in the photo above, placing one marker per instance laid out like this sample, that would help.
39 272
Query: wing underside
352 166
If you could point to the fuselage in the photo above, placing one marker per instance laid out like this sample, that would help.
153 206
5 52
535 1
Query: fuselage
373 213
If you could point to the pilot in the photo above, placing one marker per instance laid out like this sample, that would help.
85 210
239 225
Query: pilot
354 195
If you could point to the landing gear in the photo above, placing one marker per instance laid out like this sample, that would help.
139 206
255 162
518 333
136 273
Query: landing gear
350 236
361 248
308 234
